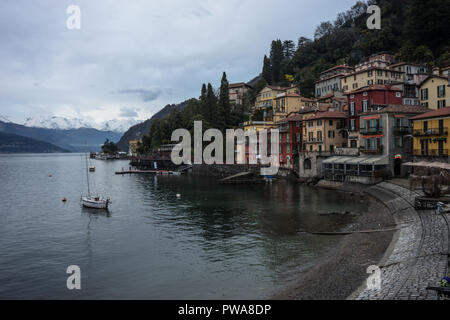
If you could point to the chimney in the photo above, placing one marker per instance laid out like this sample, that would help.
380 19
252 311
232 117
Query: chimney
436 71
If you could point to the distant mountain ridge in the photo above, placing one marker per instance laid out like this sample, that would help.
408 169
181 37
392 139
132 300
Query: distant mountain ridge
12 143
137 131
73 140
63 123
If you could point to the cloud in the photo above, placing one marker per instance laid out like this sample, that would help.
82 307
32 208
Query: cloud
146 95
128 113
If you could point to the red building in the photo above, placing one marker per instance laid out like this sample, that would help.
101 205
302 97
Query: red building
362 100
290 129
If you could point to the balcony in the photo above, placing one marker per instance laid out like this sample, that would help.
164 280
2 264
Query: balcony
314 141
431 153
430 132
402 130
371 130
370 151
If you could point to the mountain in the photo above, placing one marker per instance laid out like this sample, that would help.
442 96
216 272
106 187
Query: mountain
63 123
137 131
72 139
12 143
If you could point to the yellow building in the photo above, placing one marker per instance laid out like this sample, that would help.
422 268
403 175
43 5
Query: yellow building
288 103
370 76
133 145
431 137
323 131
434 92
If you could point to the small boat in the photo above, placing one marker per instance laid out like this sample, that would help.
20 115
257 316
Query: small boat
92 169
95 202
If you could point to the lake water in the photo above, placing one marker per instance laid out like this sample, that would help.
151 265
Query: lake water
214 242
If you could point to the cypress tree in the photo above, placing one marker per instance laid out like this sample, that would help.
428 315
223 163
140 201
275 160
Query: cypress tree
211 104
267 70
276 58
203 106
223 107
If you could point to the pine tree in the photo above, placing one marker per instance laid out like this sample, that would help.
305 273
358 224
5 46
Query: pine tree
267 70
223 108
203 105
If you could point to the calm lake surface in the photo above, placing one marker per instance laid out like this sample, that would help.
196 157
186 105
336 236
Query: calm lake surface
214 242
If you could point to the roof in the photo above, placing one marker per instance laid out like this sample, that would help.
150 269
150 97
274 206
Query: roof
444 112
337 67
329 115
371 68
433 76
277 88
291 95
291 118
239 84
399 108
405 63
374 87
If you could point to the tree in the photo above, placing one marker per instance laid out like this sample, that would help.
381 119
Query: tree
109 147
211 104
267 70
223 106
203 105
324 29
288 49
276 59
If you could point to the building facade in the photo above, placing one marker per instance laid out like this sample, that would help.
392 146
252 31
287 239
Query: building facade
290 129
330 80
237 93
431 135
435 92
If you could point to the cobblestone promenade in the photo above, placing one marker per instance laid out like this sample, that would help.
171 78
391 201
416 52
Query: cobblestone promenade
419 255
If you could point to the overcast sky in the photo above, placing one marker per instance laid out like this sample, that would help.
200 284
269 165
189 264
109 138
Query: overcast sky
130 58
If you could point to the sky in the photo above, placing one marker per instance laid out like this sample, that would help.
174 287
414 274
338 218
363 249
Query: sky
131 58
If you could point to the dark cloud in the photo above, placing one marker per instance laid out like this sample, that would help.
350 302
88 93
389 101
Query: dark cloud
147 95
128 113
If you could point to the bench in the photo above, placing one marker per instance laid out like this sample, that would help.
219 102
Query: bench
441 291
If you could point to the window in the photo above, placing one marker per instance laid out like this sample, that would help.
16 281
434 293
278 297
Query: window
424 94
365 105
365 93
352 96
331 123
355 85
319 122
369 82
352 108
369 73
320 148
353 144
398 94
441 104
319 135
352 124
297 137
380 81
441 91
331 148
380 73
288 149
288 138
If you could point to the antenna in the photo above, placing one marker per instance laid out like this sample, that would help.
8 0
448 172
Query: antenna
87 169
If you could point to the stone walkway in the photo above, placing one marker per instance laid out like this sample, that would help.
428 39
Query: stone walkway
420 253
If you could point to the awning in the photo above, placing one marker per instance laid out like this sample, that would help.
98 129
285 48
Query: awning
372 118
375 161
331 159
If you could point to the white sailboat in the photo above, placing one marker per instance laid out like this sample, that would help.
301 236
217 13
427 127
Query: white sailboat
95 202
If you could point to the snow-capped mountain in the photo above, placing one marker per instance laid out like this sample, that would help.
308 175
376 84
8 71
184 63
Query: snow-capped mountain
118 125
62 123
4 119
55 122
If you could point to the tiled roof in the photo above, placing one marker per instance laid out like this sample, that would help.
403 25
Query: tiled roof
292 117
374 87
235 85
329 115
337 67
399 108
444 112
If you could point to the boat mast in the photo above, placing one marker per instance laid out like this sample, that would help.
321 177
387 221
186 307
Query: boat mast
87 170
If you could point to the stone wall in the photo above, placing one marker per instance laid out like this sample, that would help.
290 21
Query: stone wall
222 170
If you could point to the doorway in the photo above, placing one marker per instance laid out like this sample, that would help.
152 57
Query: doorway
397 167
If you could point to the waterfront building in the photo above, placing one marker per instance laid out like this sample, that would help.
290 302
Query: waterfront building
132 147
435 91
324 131
330 80
290 135
364 99
237 92
386 143
431 135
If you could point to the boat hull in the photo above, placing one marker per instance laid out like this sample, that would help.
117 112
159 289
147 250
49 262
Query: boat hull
94 203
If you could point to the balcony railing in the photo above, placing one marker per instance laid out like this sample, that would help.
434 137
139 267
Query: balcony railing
369 151
314 141
431 132
402 130
371 130
431 153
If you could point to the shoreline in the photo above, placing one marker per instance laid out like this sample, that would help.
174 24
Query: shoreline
343 270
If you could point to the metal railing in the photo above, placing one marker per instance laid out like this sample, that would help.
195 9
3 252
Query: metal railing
371 130
431 153
431 132
376 151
